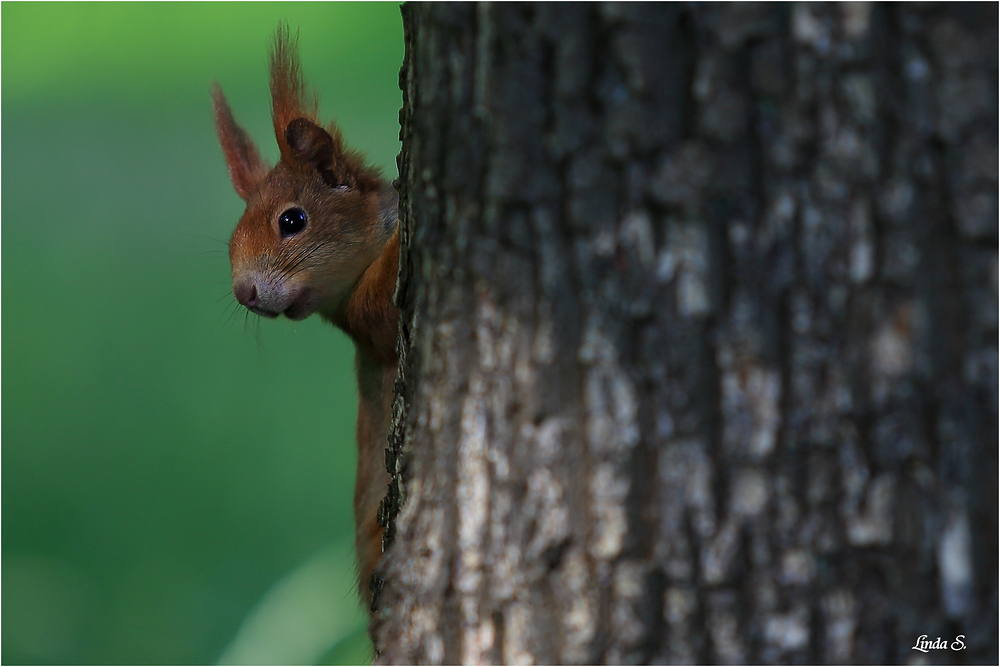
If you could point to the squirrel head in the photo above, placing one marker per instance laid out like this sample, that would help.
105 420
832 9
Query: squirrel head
315 221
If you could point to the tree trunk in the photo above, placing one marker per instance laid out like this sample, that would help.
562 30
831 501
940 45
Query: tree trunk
699 335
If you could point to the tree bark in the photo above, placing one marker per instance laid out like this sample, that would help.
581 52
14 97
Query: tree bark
699 335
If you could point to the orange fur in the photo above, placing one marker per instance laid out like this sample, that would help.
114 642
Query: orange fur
371 316
341 263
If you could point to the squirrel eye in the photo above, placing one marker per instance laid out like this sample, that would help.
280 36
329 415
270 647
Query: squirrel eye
292 221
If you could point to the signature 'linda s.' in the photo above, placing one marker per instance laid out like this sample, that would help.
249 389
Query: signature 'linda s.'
925 645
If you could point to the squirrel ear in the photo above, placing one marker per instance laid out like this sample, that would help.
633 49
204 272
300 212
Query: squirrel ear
310 143
245 165
315 147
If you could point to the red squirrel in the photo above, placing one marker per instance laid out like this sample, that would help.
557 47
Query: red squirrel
319 235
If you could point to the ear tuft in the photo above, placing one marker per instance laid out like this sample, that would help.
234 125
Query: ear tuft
242 158
290 98
301 140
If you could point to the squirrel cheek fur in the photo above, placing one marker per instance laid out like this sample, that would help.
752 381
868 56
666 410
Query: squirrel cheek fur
319 236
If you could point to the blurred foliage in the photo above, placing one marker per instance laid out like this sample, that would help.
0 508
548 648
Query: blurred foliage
177 476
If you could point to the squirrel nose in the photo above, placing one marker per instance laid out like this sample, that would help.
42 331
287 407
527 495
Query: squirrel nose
246 293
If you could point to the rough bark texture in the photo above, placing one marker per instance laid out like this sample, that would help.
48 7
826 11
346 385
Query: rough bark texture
699 335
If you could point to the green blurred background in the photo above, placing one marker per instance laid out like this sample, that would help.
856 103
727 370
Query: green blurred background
177 477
